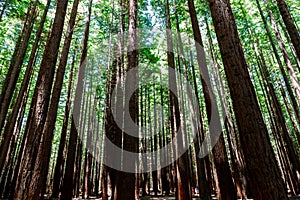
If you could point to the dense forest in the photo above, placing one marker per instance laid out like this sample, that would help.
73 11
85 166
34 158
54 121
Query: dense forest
156 99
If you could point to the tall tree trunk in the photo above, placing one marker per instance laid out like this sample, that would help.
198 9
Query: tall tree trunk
164 171
14 70
144 141
181 167
285 77
68 181
155 156
279 116
125 182
203 183
290 25
58 172
225 182
265 180
110 130
10 124
12 157
86 191
79 151
115 174
40 172
40 102
286 57
238 172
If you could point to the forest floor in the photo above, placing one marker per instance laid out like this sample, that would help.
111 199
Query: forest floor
173 198
159 197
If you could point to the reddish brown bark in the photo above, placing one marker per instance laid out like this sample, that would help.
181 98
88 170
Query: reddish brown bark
68 181
125 182
40 102
62 144
40 173
290 25
265 180
225 183
16 64
9 127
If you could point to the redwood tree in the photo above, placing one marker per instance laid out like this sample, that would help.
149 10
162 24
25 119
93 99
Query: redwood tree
40 102
263 171
290 25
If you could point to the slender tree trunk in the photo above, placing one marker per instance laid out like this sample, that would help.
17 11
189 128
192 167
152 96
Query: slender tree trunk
286 57
164 171
290 25
265 180
68 181
225 186
183 184
79 151
125 182
109 121
58 172
40 102
203 183
155 143
110 126
14 70
10 124
289 110
87 159
11 157
144 141
285 78
40 172
115 174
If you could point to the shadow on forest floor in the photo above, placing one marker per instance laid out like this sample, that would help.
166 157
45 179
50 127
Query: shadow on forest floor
173 198
160 198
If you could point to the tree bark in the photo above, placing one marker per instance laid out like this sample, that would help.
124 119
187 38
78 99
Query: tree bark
68 181
285 77
265 180
10 124
58 172
14 70
40 102
183 190
286 57
225 186
290 25
125 182
40 172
